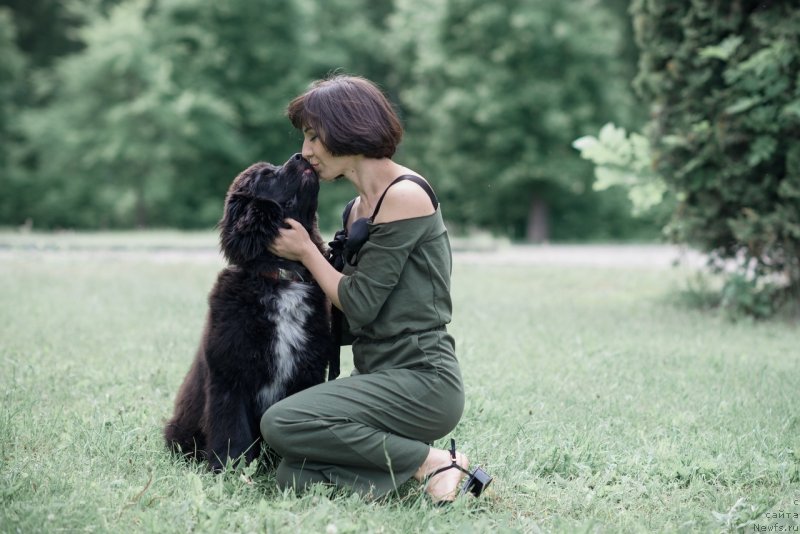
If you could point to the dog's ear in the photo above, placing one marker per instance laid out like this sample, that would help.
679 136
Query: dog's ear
235 203
260 216
235 206
249 226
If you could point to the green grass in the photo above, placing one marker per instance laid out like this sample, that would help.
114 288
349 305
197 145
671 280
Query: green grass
595 400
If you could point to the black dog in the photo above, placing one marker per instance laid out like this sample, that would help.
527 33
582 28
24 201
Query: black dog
267 334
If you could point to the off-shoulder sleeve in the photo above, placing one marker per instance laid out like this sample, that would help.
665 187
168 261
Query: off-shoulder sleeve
380 264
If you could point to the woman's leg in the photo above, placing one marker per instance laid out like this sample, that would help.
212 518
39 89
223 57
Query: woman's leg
367 432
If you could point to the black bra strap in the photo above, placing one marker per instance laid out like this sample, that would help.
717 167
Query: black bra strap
346 212
417 180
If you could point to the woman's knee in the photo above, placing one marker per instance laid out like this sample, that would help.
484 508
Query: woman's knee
287 428
273 428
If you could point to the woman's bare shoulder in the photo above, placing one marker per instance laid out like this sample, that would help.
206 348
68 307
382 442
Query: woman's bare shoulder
404 200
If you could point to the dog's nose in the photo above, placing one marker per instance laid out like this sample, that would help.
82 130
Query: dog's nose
297 157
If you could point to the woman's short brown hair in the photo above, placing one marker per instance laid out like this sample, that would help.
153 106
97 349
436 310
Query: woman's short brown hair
350 115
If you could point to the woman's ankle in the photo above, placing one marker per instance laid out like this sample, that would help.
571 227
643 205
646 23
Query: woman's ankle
436 459
442 486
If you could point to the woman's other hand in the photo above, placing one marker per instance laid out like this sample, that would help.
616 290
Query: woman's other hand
292 243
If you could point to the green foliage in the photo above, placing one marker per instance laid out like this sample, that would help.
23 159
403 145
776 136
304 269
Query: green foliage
347 36
499 103
745 296
12 65
45 27
143 111
243 56
724 81
150 123
12 84
738 296
622 160
110 143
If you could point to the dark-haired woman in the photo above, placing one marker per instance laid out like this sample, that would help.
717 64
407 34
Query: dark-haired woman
370 431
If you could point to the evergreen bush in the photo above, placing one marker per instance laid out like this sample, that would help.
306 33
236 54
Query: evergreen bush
723 81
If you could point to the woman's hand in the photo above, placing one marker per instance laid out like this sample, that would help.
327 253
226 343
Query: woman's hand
292 243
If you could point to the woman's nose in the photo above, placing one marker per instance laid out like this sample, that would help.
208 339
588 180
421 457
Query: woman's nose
306 151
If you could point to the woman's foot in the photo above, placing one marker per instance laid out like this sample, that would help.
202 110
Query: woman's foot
443 486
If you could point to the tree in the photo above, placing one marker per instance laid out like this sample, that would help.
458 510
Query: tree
510 87
246 56
107 143
149 123
722 79
156 104
43 29
12 68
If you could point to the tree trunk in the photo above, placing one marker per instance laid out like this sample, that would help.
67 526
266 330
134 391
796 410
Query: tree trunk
141 207
538 230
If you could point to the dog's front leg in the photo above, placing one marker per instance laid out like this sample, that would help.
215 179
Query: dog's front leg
229 433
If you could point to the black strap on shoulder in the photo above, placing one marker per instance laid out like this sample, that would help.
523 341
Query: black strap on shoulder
346 212
417 180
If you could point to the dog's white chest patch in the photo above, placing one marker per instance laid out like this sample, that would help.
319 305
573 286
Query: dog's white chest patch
289 313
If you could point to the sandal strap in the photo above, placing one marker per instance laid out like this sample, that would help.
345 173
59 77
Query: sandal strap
453 465
445 468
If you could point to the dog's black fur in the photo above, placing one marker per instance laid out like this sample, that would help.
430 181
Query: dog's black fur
266 337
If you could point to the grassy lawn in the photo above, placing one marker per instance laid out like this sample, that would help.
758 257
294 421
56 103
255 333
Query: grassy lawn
595 399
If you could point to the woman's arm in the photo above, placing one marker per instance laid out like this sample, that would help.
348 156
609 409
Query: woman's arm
405 200
294 244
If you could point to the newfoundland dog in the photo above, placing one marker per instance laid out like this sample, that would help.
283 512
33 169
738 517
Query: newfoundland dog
267 334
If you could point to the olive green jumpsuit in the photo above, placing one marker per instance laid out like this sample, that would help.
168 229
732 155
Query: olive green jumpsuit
370 431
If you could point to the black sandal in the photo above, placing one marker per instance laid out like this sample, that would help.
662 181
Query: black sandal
477 481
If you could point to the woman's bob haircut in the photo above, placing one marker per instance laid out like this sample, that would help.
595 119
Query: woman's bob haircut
350 115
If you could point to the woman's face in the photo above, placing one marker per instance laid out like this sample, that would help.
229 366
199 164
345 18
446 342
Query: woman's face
327 166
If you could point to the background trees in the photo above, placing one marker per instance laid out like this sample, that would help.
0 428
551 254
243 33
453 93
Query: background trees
514 84
12 67
148 123
138 113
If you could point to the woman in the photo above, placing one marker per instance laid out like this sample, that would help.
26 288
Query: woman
370 431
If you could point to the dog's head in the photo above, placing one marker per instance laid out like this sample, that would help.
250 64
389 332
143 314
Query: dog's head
258 201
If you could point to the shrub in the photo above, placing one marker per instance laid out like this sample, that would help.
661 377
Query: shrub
723 82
